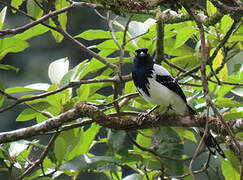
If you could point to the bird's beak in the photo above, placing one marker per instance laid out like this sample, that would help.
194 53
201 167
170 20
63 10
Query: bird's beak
142 54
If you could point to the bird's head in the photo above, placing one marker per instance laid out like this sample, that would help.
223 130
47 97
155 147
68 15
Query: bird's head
142 53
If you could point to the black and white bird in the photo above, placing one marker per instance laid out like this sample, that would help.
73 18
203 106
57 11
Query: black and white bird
157 86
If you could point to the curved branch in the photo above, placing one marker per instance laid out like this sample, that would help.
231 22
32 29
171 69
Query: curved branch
98 116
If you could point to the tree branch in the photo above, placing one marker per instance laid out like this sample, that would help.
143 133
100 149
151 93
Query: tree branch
98 116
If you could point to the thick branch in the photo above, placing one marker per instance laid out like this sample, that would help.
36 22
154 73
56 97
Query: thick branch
119 123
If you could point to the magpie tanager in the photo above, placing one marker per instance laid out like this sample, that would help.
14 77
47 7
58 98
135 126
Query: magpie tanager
157 86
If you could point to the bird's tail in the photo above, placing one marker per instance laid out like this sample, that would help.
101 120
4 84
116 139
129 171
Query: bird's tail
212 144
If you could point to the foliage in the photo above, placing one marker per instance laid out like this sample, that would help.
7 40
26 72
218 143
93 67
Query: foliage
74 151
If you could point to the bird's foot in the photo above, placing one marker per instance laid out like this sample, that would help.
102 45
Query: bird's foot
141 117
162 116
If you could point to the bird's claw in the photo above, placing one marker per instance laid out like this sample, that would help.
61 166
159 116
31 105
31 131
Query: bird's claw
141 117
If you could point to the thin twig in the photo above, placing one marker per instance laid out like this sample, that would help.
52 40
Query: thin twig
42 157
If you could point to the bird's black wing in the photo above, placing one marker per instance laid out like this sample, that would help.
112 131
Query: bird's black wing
169 82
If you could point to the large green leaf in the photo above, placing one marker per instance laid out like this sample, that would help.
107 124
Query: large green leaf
33 9
88 138
11 44
62 19
16 4
185 133
94 34
228 102
168 143
85 163
29 113
60 149
116 141
94 64
183 50
231 167
183 35
32 32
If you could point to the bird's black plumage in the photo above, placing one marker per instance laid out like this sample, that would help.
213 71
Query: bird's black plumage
156 85
147 76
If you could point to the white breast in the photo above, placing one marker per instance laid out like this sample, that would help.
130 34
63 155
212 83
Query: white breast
161 95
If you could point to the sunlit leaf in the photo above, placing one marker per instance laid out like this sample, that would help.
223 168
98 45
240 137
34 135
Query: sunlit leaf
223 74
29 113
2 97
184 133
16 4
88 138
32 32
231 166
227 102
99 34
33 9
210 8
233 116
11 44
8 67
183 35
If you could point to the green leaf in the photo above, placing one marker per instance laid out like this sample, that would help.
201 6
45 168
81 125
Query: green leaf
183 50
16 4
231 166
85 163
144 141
235 63
66 78
32 32
116 141
11 44
94 64
33 9
183 35
226 23
29 114
233 116
169 145
228 102
210 8
62 19
94 35
88 138
8 67
184 133
188 61
33 87
60 149
129 88
2 97
79 69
